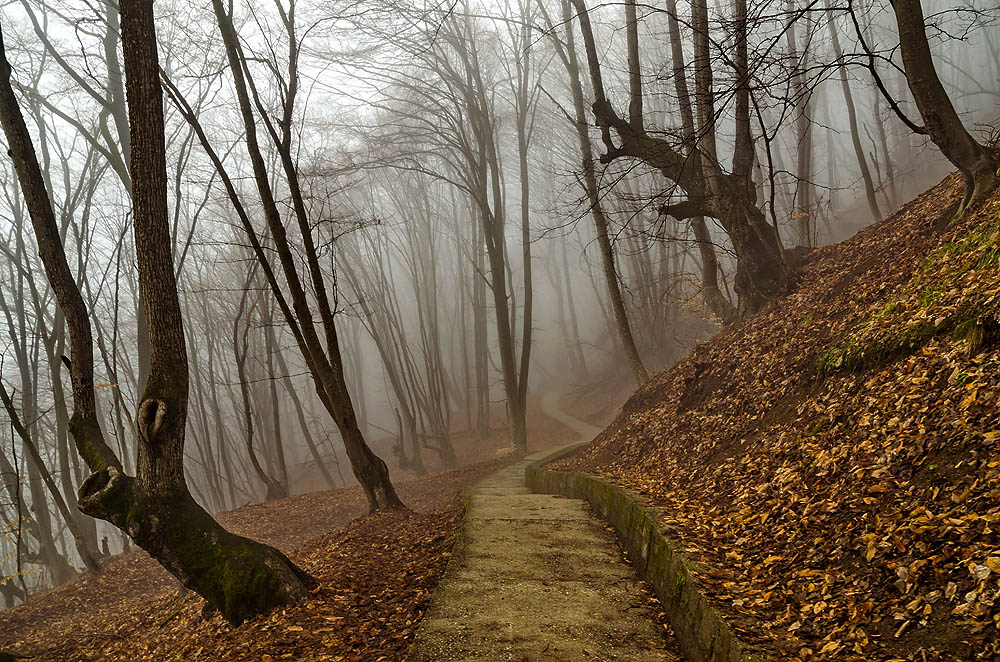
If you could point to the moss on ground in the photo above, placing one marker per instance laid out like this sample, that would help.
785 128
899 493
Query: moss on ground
955 292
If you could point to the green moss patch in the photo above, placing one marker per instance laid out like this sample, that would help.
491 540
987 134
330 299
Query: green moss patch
955 292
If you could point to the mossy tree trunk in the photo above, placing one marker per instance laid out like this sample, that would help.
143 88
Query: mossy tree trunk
238 576
941 120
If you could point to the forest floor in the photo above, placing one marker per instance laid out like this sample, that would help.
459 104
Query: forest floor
538 577
831 464
376 574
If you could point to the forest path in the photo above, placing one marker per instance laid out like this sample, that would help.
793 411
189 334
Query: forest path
536 577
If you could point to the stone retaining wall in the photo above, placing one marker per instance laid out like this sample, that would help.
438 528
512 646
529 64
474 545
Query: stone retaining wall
702 634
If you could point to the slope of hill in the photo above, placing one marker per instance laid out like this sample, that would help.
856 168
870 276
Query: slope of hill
831 464
375 576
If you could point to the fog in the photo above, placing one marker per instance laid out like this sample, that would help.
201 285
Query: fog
426 164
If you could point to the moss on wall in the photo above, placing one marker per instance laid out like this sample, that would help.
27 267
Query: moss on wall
702 633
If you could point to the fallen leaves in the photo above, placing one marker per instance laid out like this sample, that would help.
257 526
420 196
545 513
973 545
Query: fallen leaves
856 514
375 577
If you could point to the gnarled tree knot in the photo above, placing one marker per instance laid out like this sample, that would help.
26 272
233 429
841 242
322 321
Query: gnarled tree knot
150 419
107 494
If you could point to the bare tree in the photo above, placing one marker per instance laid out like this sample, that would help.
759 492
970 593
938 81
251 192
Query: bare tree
238 576
568 56
941 121
762 268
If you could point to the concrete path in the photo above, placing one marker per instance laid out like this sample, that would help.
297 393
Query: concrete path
536 578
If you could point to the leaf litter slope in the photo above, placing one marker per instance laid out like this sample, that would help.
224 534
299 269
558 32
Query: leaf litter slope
842 509
375 576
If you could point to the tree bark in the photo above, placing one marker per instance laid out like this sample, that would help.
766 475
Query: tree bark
944 126
238 576
622 324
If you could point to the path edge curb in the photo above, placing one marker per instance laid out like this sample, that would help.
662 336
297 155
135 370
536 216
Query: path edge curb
701 632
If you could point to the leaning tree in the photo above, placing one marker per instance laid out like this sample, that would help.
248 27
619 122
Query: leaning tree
977 164
695 169
304 298
238 576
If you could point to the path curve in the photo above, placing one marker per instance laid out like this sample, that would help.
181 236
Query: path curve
551 408
535 578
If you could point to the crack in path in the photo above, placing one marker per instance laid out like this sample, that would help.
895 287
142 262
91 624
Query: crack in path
536 578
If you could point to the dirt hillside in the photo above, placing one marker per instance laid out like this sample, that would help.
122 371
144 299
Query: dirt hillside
832 462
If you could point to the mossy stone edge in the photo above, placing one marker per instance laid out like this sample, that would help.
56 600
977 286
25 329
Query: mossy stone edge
701 632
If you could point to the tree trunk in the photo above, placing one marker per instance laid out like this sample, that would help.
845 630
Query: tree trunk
803 212
238 576
241 345
892 195
496 255
575 346
480 348
622 325
324 363
271 347
300 415
941 120
489 195
852 119
523 104
761 270
710 291
704 97
82 548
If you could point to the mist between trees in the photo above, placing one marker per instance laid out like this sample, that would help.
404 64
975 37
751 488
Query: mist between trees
359 231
